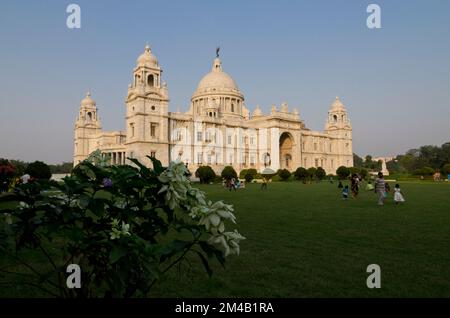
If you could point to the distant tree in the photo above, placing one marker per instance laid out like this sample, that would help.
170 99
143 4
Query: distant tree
446 169
342 172
320 173
65 167
228 173
284 174
248 177
311 172
424 171
20 166
354 170
357 161
205 173
364 173
7 172
243 173
301 174
39 170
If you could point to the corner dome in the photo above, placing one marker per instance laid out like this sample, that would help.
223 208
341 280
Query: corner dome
88 101
337 104
147 58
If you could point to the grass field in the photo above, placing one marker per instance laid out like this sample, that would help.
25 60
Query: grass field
305 241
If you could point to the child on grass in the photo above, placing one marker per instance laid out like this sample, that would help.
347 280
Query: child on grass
398 195
345 193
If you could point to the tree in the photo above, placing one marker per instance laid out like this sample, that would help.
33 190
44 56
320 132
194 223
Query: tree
243 173
311 173
301 174
424 171
7 172
343 172
284 174
446 169
354 170
229 173
357 161
205 173
364 173
39 170
248 177
320 173
125 225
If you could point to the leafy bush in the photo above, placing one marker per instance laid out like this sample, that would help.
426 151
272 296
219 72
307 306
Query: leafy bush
205 173
446 169
39 170
425 171
311 173
301 174
7 172
243 173
284 174
354 170
320 173
125 226
228 173
364 173
342 172
248 177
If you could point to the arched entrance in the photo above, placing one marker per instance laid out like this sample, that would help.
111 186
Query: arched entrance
286 143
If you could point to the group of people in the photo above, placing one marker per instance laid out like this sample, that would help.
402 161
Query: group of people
381 188
234 184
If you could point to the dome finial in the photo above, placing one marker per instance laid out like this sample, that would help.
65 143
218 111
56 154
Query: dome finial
147 47
217 51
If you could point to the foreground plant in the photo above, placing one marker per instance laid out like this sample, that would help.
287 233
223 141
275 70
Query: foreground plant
123 225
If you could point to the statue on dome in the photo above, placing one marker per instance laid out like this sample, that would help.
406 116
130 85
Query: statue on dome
217 51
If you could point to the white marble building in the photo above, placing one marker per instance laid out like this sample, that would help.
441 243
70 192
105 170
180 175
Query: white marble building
217 130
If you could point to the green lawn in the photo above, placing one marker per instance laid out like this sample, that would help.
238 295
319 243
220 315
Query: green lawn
305 241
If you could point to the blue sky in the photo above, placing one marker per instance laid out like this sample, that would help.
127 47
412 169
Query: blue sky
394 81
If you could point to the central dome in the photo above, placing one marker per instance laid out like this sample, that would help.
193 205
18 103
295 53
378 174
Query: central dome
217 80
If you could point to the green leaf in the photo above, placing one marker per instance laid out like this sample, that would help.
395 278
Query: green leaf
103 195
117 253
157 166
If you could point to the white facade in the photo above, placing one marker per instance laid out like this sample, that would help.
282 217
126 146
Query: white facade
217 130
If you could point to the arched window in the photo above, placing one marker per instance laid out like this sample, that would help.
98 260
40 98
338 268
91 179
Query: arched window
150 80
232 108
89 115
335 118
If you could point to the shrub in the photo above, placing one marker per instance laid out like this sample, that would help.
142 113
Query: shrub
114 222
243 173
424 171
248 177
311 172
258 176
228 173
205 173
7 172
320 173
354 170
39 170
364 173
342 172
284 174
301 174
446 169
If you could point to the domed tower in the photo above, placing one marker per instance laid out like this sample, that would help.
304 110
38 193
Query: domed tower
217 95
147 105
339 127
87 127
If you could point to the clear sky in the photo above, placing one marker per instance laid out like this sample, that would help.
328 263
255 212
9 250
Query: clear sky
394 81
